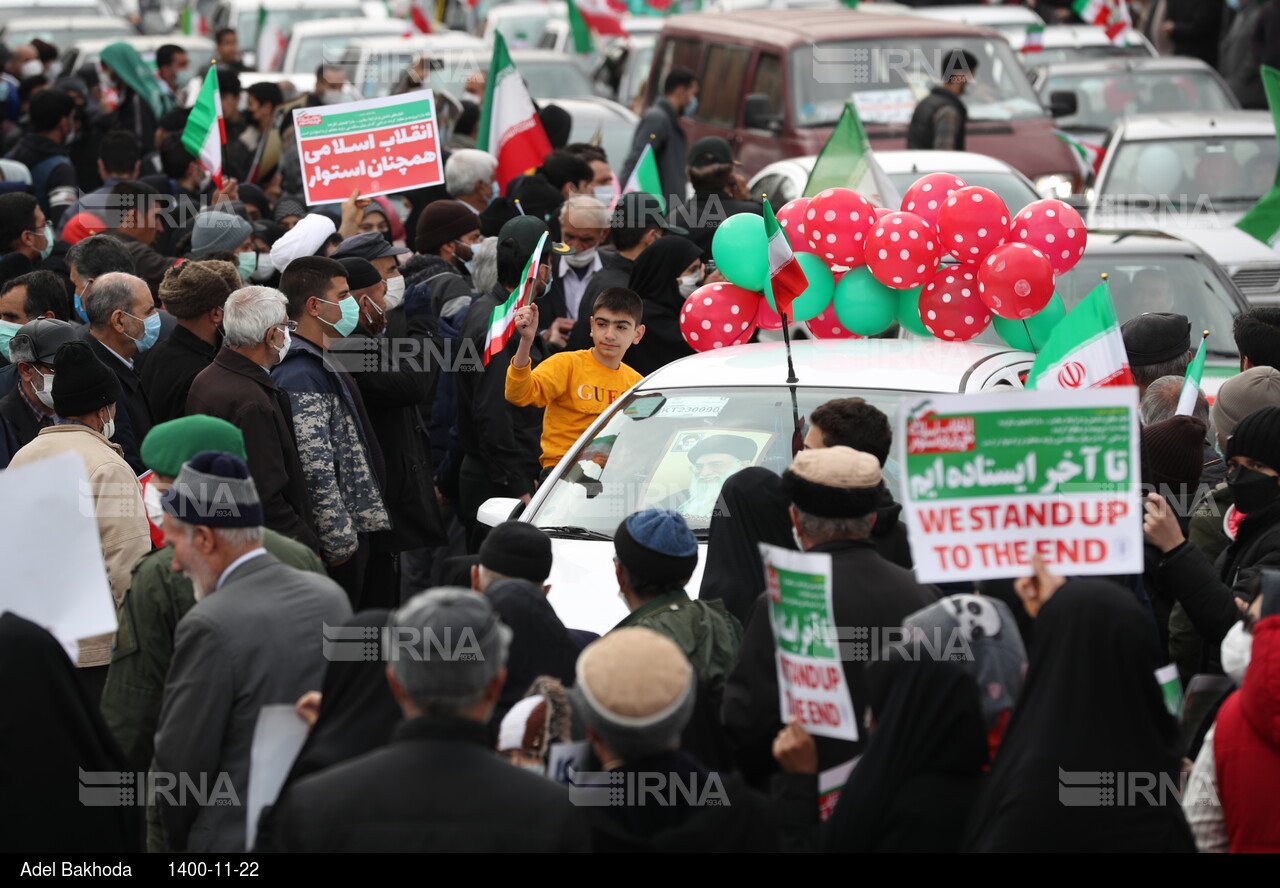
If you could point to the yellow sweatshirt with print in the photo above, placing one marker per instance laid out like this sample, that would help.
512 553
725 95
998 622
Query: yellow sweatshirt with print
575 388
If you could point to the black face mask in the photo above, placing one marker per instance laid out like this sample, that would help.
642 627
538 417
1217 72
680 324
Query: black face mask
1252 490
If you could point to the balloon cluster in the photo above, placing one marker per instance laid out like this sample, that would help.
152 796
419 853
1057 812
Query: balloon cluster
950 263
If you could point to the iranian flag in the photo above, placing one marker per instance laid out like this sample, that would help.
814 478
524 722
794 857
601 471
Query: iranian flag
1088 155
1034 41
786 278
1263 219
421 18
599 16
1191 387
205 133
1085 350
502 321
271 42
582 42
847 161
644 177
1110 14
509 126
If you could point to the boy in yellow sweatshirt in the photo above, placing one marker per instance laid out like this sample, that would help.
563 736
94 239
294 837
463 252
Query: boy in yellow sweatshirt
577 386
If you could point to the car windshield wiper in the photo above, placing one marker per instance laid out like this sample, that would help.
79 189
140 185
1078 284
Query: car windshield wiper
576 533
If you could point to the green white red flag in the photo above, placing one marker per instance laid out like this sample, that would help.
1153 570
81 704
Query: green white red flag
205 133
509 126
502 320
1085 350
787 279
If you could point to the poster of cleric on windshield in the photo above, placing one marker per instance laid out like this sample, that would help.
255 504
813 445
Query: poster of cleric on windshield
379 146
991 480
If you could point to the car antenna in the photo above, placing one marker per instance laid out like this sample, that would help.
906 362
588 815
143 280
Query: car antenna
786 332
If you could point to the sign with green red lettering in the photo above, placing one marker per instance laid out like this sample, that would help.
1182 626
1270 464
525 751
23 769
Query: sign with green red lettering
991 480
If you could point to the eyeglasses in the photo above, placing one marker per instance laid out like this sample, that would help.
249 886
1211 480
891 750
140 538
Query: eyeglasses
291 326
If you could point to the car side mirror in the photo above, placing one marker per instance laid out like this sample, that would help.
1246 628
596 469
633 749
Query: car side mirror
1063 103
758 114
496 510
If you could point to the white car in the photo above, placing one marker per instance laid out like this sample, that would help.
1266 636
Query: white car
1010 21
12 9
243 16
292 85
374 65
785 180
522 24
326 40
62 30
635 455
1195 175
1083 43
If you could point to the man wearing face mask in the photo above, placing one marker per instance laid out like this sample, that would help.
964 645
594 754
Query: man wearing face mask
173 68
194 293
85 395
342 461
584 226
447 232
468 177
660 128
25 233
29 407
238 387
24 61
44 152
39 294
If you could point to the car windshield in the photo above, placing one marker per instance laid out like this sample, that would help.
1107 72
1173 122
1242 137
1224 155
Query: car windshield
887 82
1015 193
556 80
312 51
674 449
1104 98
383 70
1196 175
285 19
1142 283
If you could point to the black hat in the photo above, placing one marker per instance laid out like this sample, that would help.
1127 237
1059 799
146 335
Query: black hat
525 231
710 150
657 545
38 341
252 194
443 221
1257 436
734 445
636 209
369 245
517 549
82 384
360 272
1155 337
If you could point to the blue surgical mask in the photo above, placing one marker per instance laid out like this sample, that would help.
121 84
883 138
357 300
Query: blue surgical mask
150 330
1234 4
83 315
493 191
7 331
350 315
690 108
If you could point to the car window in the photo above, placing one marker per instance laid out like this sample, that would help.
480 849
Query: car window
1200 175
674 449
556 80
768 82
678 52
720 87
770 186
1104 98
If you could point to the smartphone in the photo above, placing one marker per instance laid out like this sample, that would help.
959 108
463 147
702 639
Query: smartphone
708 268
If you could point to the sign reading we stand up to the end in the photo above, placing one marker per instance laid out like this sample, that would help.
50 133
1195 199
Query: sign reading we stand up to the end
991 480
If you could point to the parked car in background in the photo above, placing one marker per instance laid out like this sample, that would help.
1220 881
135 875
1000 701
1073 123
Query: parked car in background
785 180
636 454
552 75
376 65
603 121
63 30
243 15
1083 43
292 85
326 40
622 72
12 9
522 24
1010 21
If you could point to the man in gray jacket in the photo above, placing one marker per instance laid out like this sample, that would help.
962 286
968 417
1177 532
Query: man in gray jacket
660 127
253 639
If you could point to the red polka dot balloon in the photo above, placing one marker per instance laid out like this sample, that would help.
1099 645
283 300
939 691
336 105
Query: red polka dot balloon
950 308
881 212
828 326
718 315
1054 228
837 222
791 217
925 197
902 250
1016 281
972 222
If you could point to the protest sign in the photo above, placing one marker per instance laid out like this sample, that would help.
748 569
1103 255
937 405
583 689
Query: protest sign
811 682
990 480
379 146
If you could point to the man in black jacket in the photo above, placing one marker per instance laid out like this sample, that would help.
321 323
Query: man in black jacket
660 129
437 786
940 119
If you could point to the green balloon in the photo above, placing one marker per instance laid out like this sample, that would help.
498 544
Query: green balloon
741 251
817 296
909 311
1031 334
863 304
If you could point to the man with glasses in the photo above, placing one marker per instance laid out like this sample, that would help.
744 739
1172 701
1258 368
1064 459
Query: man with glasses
238 388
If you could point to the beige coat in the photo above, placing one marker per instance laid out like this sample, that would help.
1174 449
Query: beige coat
118 508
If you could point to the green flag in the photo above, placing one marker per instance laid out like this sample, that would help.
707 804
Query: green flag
582 44
1191 382
847 161
1263 220
645 177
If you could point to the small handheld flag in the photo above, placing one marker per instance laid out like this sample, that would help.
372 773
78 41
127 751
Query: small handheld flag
502 320
1191 382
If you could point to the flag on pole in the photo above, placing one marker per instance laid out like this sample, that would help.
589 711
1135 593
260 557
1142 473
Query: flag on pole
645 178
509 126
271 42
598 17
1034 41
847 161
418 14
1088 155
1121 24
786 278
502 320
1263 219
582 42
1085 350
205 133
1092 12
1191 387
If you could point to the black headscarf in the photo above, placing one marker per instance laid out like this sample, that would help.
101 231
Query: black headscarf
914 786
50 733
752 510
655 277
357 711
540 645
1090 711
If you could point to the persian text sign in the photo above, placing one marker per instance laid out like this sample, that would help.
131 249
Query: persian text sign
379 146
991 480
811 682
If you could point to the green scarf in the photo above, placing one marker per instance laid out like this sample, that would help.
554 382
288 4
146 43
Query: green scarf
129 67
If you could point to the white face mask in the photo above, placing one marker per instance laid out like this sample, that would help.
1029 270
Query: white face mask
1237 647
395 292
32 67
795 535
582 258
284 347
109 428
603 193
265 269
688 284
155 511
45 392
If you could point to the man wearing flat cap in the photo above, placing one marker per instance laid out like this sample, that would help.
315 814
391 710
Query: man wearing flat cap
711 461
834 492
1158 344
29 407
254 638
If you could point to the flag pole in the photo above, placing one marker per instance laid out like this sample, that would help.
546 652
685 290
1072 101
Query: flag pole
786 334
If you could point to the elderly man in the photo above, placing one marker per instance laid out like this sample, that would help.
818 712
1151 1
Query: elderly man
253 639
468 177
833 493
1161 402
29 407
437 786
584 226
238 387
123 324
711 461
85 396
1158 344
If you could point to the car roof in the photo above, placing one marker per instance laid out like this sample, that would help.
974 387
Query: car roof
803 26
241 5
1113 242
597 106
514 10
1127 64
1159 126
1059 36
980 14
327 27
61 22
449 40
541 56
888 364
